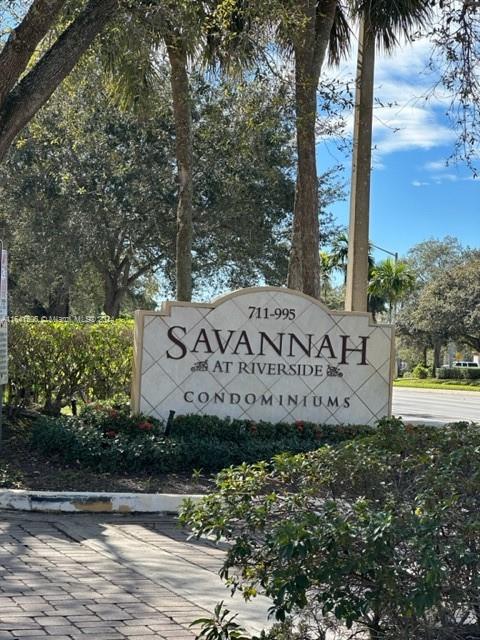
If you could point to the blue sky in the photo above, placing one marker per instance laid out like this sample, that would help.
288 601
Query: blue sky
414 194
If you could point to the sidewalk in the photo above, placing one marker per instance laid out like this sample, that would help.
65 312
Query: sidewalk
107 577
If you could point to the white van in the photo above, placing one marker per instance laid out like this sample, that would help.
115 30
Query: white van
464 363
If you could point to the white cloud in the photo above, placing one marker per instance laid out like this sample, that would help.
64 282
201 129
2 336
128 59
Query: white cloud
409 127
439 171
404 118
414 121
378 164
418 183
448 177
435 165
452 177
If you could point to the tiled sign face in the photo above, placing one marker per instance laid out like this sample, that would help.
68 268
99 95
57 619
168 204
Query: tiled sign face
262 354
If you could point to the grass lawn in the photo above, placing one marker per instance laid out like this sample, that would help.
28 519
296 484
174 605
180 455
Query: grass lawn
433 383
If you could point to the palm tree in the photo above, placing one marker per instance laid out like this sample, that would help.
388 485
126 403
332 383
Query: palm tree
309 31
321 23
132 60
338 259
327 267
339 254
375 305
391 281
380 25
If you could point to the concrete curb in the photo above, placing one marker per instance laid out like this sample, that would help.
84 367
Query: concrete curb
91 502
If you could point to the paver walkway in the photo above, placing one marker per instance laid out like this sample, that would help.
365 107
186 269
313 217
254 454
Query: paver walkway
94 577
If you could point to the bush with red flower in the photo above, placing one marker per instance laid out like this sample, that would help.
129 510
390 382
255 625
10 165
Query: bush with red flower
115 419
300 425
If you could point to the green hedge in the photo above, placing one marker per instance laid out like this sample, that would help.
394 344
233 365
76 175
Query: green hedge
108 439
51 362
194 427
458 373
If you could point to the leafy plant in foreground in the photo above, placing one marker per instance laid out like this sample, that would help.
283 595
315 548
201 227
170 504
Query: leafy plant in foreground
221 627
380 533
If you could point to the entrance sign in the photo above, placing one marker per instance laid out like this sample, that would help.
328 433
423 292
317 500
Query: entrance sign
264 353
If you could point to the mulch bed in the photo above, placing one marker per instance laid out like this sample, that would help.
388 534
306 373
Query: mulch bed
24 468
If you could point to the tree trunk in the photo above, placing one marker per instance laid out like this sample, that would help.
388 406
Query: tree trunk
304 266
310 46
436 357
114 295
295 261
183 143
358 240
59 300
37 86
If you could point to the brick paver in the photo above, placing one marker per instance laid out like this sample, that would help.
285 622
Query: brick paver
103 578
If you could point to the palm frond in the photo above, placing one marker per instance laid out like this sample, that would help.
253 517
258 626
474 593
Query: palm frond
339 45
391 280
128 56
131 51
389 19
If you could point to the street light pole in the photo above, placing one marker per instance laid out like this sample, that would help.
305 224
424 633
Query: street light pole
395 255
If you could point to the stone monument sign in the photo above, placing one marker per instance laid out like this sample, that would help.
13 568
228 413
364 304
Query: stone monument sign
263 354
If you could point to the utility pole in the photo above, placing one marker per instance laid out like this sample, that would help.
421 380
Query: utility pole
357 264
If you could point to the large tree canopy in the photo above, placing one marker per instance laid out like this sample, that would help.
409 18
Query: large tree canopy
88 185
433 257
445 305
448 307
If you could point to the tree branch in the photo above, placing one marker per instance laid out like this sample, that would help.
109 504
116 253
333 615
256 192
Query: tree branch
472 341
140 272
38 85
23 41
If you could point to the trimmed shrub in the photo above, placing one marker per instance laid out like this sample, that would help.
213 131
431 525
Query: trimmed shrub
128 449
9 477
107 438
114 419
458 373
51 362
378 535
228 430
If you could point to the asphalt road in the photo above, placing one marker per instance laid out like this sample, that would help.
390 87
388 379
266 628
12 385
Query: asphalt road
436 407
